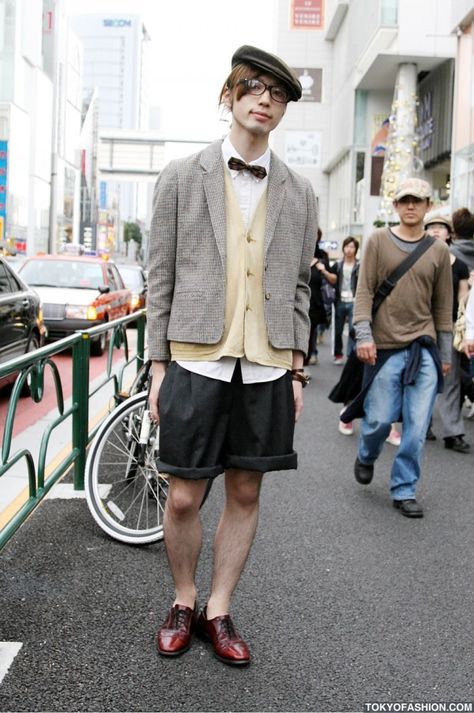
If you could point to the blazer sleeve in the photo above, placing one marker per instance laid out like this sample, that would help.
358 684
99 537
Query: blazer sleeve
302 297
162 261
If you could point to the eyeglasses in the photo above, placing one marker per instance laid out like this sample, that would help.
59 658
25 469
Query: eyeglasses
257 87
411 199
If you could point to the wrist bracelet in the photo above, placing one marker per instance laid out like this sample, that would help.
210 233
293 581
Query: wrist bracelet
299 375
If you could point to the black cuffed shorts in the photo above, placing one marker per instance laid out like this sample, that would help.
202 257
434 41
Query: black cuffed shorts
208 426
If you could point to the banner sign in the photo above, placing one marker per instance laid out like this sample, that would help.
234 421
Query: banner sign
3 186
307 14
311 80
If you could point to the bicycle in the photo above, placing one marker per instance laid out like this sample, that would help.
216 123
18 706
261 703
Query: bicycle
125 492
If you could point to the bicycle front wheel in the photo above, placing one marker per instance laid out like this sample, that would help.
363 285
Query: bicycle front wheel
125 492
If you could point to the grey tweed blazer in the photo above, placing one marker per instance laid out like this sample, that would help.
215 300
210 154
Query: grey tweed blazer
187 255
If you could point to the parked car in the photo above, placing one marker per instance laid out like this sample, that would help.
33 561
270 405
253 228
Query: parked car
77 292
134 277
21 320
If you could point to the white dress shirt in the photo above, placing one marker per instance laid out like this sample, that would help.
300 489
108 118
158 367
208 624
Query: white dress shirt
248 190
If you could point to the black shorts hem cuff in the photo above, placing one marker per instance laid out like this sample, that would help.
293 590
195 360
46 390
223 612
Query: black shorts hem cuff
189 473
263 464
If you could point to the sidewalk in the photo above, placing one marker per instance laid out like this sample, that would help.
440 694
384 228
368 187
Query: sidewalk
14 489
343 601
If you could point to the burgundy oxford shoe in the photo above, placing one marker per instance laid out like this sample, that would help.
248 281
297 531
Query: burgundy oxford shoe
174 636
228 646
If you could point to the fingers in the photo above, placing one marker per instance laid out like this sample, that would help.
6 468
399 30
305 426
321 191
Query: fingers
367 352
298 398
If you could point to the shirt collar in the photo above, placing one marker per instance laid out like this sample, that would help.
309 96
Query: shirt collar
228 151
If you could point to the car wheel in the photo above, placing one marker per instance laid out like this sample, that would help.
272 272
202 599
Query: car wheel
32 345
99 345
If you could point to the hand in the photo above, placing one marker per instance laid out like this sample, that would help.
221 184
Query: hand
469 348
445 368
320 266
159 371
367 352
298 398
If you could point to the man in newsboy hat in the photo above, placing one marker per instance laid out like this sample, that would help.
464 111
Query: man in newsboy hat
232 236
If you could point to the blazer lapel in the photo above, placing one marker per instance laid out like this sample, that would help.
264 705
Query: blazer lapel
213 181
275 196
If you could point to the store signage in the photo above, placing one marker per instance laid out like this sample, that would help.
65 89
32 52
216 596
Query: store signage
306 14
3 186
426 128
117 23
303 148
311 81
435 120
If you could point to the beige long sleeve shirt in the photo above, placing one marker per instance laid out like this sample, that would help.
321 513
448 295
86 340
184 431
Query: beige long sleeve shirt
421 302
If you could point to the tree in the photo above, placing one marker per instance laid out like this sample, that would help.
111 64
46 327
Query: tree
132 231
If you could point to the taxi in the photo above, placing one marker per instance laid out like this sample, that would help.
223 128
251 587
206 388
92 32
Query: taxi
77 292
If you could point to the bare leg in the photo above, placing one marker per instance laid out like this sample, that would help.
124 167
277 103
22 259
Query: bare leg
183 535
234 537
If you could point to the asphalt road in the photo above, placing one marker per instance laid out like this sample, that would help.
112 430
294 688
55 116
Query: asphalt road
343 600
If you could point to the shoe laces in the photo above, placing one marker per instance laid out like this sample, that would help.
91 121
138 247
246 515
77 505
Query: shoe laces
180 619
227 628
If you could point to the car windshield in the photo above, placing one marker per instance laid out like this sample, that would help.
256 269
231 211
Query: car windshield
132 278
62 273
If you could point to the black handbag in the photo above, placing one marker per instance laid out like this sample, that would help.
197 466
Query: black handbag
350 383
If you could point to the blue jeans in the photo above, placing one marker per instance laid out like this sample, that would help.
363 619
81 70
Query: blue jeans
387 400
343 311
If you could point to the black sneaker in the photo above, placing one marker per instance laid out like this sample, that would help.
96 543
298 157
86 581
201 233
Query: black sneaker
363 473
457 443
409 508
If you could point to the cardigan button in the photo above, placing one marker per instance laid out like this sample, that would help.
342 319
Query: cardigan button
267 295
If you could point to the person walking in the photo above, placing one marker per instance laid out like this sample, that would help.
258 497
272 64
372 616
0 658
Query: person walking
449 402
317 307
469 334
462 244
346 272
406 347
232 236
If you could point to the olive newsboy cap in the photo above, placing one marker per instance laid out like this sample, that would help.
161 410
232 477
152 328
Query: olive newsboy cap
270 64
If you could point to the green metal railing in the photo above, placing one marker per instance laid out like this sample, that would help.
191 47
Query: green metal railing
31 368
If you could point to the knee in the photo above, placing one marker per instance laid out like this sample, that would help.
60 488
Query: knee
182 501
244 493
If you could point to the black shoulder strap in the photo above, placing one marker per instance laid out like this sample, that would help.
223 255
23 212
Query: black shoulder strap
389 283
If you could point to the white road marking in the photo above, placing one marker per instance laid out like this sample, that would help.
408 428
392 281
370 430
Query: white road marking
8 651
64 491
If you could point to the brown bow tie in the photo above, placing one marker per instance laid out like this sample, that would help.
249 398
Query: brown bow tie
237 165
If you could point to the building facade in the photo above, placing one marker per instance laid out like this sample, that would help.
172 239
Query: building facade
39 126
386 103
463 132
116 67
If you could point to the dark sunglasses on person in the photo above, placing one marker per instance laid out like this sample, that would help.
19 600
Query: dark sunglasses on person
257 87
411 199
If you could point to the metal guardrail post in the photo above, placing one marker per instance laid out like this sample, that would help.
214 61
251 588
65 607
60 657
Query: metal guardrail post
80 397
141 324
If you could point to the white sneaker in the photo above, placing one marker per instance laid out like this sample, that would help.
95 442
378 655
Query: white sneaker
346 428
393 438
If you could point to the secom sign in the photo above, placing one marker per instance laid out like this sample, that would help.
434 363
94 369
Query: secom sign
117 23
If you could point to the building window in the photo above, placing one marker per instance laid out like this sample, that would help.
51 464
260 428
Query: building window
376 175
389 12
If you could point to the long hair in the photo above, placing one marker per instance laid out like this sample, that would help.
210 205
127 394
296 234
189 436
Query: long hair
239 72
